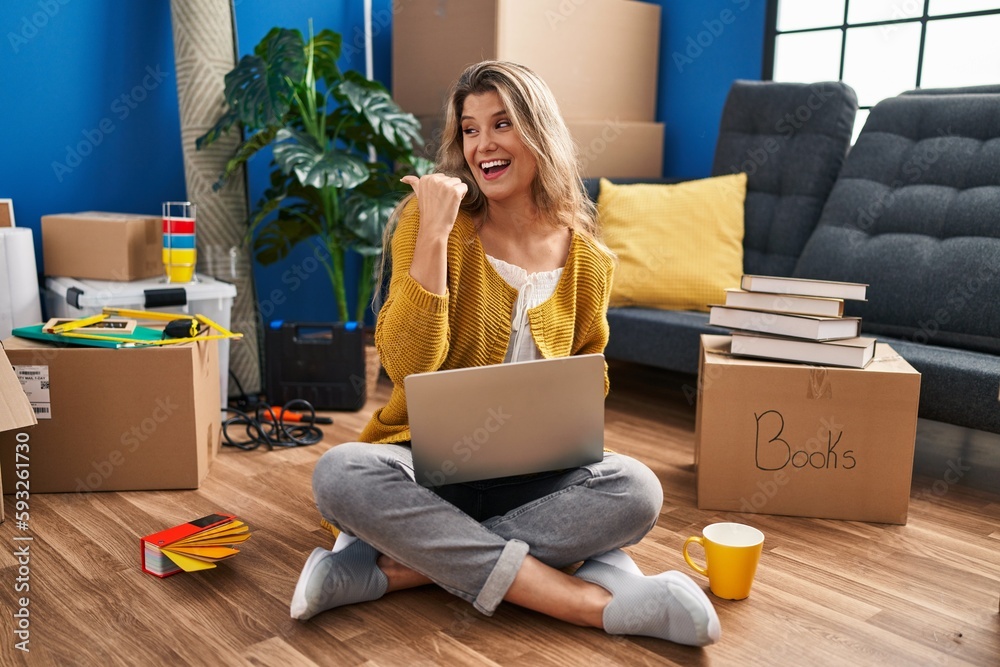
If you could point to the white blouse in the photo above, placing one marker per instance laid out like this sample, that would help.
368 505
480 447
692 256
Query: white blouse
533 289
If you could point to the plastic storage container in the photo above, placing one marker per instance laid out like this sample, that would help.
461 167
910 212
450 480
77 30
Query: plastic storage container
68 297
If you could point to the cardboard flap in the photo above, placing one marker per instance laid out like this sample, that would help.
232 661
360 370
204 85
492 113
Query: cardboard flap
885 360
15 410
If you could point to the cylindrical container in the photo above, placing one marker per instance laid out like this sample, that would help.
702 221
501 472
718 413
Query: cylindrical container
179 245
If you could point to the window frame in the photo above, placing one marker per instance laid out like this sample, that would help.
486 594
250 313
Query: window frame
771 34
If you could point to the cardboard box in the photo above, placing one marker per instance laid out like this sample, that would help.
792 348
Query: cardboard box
618 149
599 57
102 246
67 297
15 414
117 420
7 213
799 440
613 149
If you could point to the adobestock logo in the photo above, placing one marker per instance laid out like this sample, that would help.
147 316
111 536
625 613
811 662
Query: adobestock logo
695 45
30 25
468 445
122 107
130 440
596 147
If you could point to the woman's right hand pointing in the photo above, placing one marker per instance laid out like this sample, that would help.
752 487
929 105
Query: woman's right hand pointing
438 198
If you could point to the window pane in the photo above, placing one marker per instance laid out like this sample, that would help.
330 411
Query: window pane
799 14
866 11
939 7
881 61
807 57
859 122
961 52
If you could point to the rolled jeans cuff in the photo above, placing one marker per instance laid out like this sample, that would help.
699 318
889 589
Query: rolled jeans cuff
502 576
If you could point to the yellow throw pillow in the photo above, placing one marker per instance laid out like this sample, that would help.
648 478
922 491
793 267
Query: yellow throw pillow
679 246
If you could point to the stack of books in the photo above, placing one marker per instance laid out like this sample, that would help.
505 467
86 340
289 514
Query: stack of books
794 319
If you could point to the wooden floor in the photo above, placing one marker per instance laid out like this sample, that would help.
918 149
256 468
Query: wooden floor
827 592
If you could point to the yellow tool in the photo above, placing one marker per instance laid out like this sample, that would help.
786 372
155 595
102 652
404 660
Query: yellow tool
143 314
79 324
223 333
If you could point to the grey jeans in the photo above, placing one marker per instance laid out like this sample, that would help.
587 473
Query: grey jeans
471 538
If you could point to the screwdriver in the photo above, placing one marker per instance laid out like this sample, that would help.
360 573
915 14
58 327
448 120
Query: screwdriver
289 416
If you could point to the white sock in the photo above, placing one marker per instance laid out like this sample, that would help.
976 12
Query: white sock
331 580
668 606
343 541
620 559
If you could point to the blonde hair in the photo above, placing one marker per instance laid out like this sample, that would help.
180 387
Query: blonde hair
557 189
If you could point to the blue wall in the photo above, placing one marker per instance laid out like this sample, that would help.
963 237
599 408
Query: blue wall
89 108
90 105
704 46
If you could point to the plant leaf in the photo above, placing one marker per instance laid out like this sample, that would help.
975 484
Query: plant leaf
278 238
386 118
299 153
222 126
270 202
244 152
259 90
326 53
415 164
366 217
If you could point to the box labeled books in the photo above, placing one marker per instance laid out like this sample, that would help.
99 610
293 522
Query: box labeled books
792 439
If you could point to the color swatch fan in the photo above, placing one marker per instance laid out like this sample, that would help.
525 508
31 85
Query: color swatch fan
192 546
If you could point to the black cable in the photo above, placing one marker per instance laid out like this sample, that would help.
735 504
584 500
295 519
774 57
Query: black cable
275 431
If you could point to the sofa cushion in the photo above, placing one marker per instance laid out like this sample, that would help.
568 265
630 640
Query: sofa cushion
790 139
989 89
915 213
663 338
956 386
678 246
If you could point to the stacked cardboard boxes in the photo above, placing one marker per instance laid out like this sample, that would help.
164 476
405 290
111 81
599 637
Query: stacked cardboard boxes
113 419
599 57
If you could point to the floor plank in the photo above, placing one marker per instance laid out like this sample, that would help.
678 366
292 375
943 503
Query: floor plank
827 592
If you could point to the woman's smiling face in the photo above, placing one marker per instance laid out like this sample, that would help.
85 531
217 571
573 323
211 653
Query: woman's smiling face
501 163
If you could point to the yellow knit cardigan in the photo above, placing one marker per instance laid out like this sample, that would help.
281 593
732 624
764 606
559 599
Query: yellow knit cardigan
418 331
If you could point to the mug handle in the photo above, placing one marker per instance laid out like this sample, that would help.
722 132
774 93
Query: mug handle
697 568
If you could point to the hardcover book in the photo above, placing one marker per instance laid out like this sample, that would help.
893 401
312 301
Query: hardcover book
785 303
848 352
785 324
801 286
192 546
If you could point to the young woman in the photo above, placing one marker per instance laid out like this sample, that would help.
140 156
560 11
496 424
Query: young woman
495 259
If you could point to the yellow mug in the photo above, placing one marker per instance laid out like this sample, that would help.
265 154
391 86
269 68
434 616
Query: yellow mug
732 551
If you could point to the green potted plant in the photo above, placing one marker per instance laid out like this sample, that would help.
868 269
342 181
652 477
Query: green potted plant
340 144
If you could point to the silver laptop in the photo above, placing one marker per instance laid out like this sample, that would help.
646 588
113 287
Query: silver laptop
508 419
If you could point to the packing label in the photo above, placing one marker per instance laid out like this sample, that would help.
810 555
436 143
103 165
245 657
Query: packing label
35 383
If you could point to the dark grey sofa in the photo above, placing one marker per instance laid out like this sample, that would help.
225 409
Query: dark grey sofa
914 211
791 139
